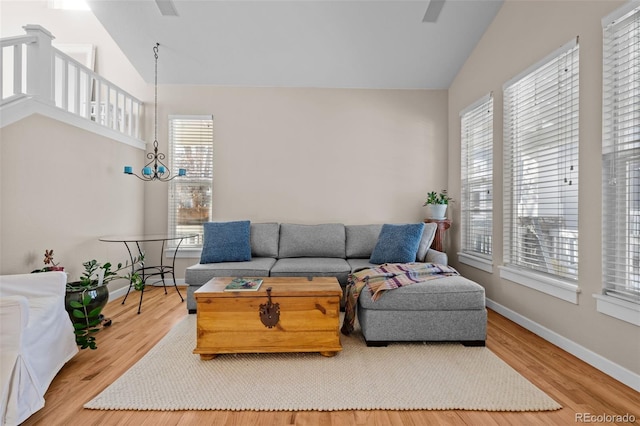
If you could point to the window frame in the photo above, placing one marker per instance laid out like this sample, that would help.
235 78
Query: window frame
620 295
189 248
476 136
558 280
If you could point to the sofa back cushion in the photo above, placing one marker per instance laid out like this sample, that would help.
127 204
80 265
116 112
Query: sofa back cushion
361 239
264 239
324 240
428 234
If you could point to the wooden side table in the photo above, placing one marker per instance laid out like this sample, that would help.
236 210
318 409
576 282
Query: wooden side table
438 240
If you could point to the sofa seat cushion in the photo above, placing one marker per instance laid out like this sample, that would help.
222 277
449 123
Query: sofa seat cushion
199 274
324 240
443 294
312 267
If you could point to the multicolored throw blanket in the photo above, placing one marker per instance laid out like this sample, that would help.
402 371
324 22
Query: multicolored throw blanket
387 277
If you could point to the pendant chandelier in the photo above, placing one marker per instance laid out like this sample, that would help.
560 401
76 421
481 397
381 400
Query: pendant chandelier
155 169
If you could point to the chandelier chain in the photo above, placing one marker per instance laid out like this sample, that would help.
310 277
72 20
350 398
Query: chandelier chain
155 169
155 98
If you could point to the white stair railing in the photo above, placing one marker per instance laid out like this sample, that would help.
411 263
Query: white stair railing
13 81
32 67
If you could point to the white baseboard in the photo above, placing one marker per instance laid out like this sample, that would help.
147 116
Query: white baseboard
114 294
608 367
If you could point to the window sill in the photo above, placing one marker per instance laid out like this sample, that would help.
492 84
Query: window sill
548 285
476 261
184 252
618 308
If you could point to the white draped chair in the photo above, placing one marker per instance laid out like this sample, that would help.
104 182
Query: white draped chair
36 340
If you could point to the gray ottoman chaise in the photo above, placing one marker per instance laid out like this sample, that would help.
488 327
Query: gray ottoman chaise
445 309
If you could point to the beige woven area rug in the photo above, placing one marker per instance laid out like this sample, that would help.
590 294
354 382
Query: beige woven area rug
412 376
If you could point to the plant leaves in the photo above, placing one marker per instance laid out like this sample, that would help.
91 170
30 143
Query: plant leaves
95 312
77 313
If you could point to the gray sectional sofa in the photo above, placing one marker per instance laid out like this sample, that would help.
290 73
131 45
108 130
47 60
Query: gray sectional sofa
445 309
287 249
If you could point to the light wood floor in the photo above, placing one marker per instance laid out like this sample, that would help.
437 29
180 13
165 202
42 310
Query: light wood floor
578 387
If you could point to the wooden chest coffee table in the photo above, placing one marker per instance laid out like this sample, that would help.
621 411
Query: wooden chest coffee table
230 321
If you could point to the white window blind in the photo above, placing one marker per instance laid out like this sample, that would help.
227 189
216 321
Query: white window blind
190 197
476 202
621 157
541 167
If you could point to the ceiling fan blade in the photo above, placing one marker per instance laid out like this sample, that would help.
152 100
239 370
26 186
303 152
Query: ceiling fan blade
433 11
167 8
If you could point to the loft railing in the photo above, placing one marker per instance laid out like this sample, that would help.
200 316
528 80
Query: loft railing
32 67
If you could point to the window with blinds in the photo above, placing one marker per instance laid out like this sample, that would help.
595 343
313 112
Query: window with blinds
621 157
541 167
190 196
476 202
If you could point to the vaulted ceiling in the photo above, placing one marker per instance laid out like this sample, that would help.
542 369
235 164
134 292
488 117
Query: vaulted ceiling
303 43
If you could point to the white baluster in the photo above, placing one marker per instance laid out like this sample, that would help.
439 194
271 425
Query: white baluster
64 83
17 69
76 91
87 96
96 102
2 77
107 106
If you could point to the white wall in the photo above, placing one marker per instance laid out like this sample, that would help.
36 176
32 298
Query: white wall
62 188
313 155
522 33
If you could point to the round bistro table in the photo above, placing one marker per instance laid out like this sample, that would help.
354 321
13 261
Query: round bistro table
145 270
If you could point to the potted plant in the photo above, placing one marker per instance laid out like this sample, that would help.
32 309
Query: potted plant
85 299
50 265
436 204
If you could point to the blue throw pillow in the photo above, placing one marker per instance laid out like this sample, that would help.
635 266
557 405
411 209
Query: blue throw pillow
226 242
397 243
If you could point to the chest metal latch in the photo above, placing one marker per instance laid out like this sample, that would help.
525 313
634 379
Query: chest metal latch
269 312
